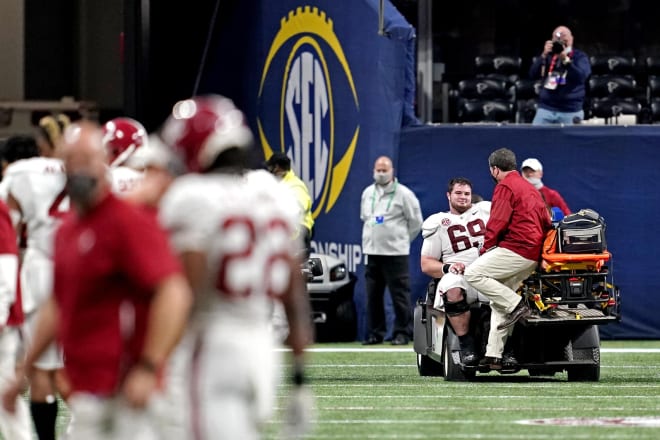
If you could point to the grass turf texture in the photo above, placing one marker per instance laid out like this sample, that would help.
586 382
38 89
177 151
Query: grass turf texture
379 395
365 394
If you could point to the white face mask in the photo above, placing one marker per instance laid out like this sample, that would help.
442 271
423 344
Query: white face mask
382 178
538 184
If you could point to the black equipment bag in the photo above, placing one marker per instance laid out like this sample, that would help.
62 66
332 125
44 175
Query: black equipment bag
582 232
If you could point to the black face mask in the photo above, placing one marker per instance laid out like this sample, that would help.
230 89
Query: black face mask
80 188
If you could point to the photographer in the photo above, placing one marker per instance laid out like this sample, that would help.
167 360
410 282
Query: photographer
564 71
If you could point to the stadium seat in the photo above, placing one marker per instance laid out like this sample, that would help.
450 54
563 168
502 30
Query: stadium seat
483 88
525 111
506 65
611 86
653 87
655 110
479 110
527 89
614 107
653 65
612 65
509 80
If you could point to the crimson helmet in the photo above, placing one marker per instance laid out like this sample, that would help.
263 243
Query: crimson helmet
202 127
121 137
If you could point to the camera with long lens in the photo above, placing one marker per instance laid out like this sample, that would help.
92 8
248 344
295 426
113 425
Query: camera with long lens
557 47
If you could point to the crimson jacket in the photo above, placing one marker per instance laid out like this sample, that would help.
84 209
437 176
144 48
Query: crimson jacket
519 218
553 198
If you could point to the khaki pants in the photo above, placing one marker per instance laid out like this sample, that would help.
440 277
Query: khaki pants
497 274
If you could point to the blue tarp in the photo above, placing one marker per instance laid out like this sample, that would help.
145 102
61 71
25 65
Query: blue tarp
613 170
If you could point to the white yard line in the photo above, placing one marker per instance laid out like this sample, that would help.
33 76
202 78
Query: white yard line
482 396
601 409
439 436
411 351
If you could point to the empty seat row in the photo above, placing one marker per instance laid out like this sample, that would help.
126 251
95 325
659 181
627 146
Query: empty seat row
601 64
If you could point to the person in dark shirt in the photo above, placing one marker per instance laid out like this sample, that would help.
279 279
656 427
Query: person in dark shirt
564 71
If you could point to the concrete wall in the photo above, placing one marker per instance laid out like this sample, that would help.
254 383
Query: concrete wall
11 49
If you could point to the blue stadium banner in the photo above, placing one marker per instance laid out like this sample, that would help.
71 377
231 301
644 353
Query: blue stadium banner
318 82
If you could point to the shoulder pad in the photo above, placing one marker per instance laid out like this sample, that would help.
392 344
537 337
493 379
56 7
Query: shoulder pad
431 224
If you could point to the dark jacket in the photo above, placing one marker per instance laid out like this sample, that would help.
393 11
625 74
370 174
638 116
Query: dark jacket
567 97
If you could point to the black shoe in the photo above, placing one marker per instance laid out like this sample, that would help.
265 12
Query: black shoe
469 358
372 340
521 311
400 340
491 362
509 361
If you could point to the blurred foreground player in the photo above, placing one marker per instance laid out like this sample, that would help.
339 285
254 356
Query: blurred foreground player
119 303
122 138
36 200
233 232
14 426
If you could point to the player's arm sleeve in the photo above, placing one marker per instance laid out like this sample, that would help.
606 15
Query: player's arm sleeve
184 218
431 253
500 216
16 193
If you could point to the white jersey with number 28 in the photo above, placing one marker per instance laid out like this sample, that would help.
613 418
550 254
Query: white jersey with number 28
244 224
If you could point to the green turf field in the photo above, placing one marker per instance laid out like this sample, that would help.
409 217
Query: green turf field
376 393
365 394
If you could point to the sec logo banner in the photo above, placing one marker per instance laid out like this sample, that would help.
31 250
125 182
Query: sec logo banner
305 83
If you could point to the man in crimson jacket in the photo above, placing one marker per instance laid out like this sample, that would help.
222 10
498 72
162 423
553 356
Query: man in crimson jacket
512 248
532 171
119 305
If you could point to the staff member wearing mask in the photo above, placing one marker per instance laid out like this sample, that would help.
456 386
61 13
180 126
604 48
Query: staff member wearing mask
391 218
532 171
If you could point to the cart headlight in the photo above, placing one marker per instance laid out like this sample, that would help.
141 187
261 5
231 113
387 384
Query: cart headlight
338 273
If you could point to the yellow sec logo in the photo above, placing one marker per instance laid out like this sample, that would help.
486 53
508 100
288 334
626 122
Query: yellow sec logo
298 110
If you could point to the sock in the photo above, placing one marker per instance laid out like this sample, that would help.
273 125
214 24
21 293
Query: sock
466 341
44 415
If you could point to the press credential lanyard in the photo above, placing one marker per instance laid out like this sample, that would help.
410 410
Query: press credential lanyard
389 202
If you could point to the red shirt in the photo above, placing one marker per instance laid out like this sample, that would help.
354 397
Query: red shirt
553 198
107 265
8 246
518 218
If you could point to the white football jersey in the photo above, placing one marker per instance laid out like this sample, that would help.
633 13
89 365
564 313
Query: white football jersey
4 186
244 225
452 238
124 179
37 184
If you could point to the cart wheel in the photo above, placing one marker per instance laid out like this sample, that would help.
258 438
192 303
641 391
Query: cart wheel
453 371
428 367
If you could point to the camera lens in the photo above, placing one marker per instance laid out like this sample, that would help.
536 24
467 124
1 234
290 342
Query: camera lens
557 47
